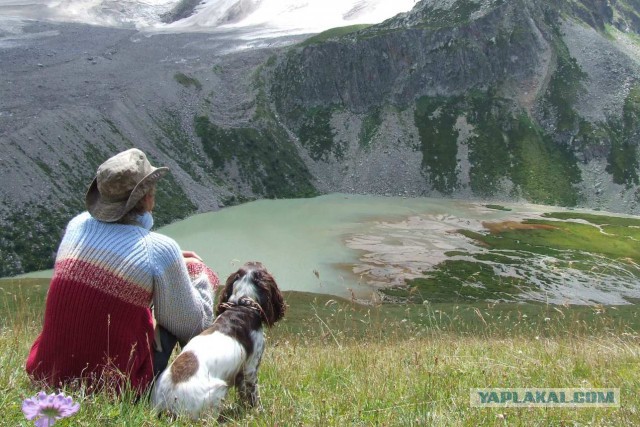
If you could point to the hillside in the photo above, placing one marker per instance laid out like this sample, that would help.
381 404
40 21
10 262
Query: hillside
507 100
518 99
332 362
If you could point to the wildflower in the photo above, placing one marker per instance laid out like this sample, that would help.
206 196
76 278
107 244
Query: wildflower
47 409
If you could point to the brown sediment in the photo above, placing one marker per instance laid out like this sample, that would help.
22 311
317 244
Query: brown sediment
499 227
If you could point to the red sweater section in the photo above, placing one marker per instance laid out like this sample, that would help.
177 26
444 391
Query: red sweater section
104 338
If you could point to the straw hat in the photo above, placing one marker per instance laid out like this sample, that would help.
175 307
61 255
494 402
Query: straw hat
120 183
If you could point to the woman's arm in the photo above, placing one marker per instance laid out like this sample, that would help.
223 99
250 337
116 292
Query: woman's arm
183 291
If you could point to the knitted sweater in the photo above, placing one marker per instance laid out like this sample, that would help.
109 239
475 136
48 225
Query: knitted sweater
98 318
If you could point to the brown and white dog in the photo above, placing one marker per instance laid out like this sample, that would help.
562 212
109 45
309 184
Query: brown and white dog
226 354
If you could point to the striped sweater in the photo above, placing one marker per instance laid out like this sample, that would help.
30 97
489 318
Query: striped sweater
98 318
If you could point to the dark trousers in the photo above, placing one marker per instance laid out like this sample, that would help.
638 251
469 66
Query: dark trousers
161 358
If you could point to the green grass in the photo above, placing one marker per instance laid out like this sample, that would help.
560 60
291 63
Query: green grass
177 144
317 135
595 244
29 238
435 119
458 14
617 239
506 144
332 34
564 87
268 163
334 362
497 207
370 125
623 156
187 81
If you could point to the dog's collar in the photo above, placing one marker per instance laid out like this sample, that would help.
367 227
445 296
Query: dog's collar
243 302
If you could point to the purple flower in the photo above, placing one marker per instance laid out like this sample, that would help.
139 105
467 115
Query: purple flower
47 409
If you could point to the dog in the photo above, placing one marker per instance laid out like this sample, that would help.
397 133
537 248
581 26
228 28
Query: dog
226 354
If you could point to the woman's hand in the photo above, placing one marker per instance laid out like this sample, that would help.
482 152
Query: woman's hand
191 256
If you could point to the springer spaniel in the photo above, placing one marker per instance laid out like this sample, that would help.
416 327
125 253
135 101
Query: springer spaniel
228 353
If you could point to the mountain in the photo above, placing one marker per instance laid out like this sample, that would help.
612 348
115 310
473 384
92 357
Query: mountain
256 18
519 100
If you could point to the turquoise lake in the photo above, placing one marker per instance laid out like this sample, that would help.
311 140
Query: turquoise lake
350 245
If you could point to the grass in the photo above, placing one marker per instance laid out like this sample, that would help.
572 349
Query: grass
187 81
435 119
564 87
332 34
506 144
317 135
370 125
268 163
623 155
605 248
29 238
614 239
334 362
458 14
497 207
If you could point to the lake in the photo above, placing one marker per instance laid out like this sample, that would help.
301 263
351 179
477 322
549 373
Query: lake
349 245
335 244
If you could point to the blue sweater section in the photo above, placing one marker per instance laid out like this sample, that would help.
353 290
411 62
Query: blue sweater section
151 261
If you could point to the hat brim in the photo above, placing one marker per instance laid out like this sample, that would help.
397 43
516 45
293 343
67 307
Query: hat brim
106 211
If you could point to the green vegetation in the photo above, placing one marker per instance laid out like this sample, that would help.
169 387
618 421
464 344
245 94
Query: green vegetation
620 135
317 135
615 241
332 33
544 170
623 157
334 362
594 244
370 126
29 238
268 163
435 119
187 81
463 281
497 207
178 145
490 153
115 130
504 144
458 13
172 203
564 87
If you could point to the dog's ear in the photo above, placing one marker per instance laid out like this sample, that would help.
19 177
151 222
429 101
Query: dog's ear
227 290
276 307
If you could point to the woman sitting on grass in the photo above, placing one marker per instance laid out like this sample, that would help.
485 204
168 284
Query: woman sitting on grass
109 270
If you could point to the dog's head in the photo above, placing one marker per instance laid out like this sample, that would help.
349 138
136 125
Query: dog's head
254 281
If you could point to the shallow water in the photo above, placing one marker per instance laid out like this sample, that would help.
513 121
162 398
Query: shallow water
349 245
341 238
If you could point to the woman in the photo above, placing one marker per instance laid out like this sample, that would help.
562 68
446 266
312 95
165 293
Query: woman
109 270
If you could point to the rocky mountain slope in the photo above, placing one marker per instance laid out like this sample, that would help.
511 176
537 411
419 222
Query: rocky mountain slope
499 99
517 99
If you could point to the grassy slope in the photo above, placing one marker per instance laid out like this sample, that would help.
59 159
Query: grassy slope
331 362
594 244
